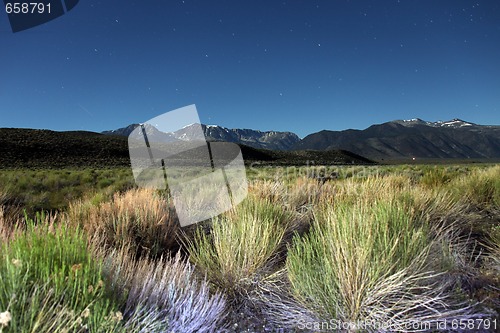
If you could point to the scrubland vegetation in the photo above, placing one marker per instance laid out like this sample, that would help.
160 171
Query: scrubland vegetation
380 245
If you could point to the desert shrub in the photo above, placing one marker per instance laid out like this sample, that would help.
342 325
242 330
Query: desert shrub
50 283
372 188
481 188
164 295
241 244
435 177
296 195
52 189
365 262
103 183
138 218
273 191
438 176
304 192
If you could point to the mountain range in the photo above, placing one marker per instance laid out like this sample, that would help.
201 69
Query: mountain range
34 148
398 139
271 140
413 138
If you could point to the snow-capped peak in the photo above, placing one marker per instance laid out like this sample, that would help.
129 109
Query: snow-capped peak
454 123
190 125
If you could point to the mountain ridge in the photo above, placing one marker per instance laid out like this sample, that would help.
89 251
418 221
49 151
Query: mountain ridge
397 139
413 138
272 140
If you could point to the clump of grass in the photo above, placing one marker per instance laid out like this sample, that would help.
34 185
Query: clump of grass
435 177
164 296
365 262
50 283
481 188
241 245
139 218
298 195
52 189
272 191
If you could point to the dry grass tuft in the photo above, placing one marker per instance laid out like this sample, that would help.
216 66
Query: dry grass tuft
139 218
164 295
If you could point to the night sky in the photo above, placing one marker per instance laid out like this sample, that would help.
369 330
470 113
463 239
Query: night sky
299 66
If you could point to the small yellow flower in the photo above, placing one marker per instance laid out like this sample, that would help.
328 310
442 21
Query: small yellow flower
17 262
5 318
118 316
90 289
86 313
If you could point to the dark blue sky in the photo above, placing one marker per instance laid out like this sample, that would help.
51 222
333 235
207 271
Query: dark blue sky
301 66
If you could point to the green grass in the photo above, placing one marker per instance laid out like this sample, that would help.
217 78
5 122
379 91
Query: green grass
351 250
240 245
37 190
481 188
51 283
384 243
